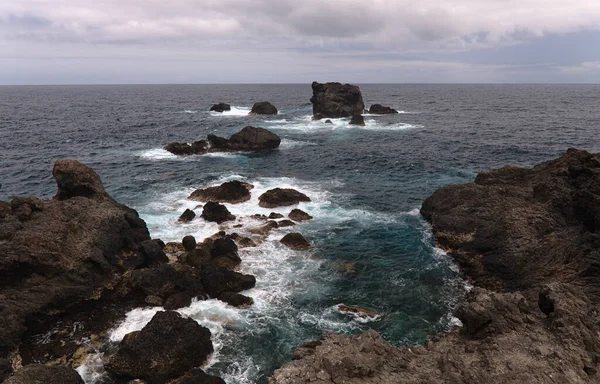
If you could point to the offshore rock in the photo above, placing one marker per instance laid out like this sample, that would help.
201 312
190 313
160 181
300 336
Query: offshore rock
249 139
219 280
199 147
280 197
263 108
216 212
230 192
166 348
221 107
299 215
527 239
41 374
295 241
187 216
335 100
378 109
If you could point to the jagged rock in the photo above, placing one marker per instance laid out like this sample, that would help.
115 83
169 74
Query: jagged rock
299 215
216 212
275 215
41 374
221 107
187 216
378 109
189 243
357 120
295 241
197 376
335 100
5 369
199 147
235 299
263 108
230 192
166 348
279 197
178 300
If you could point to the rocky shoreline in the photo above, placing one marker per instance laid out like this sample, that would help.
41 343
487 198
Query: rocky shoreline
526 239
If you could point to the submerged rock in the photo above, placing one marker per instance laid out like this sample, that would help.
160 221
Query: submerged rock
335 100
166 348
221 107
378 109
280 197
295 241
299 215
263 108
230 192
216 212
357 120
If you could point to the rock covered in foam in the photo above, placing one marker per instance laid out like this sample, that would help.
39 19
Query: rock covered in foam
334 100
197 376
280 197
166 348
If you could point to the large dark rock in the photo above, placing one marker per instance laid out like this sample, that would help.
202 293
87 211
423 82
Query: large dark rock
199 147
187 216
263 108
299 215
295 241
279 197
41 374
218 280
357 120
378 109
60 253
527 238
166 280
216 212
235 299
189 243
249 139
221 107
166 348
335 100
230 192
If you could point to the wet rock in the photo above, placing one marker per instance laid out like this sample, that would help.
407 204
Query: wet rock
178 300
218 280
295 241
299 215
189 243
263 108
378 109
246 242
221 107
235 299
216 212
199 147
357 120
328 121
285 223
230 192
359 311
187 216
336 100
41 374
166 348
197 376
274 215
280 197
265 229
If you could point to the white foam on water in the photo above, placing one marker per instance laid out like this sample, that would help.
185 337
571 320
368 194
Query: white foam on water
158 154
288 143
91 369
234 112
306 124
189 111
225 155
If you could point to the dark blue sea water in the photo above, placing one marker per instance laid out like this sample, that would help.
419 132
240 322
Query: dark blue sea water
366 185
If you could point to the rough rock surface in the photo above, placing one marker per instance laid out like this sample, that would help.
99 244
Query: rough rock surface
527 239
166 348
281 197
221 107
357 120
216 212
299 215
263 108
41 374
230 192
335 100
378 109
295 241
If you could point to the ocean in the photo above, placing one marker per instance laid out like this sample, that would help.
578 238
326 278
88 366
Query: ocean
371 247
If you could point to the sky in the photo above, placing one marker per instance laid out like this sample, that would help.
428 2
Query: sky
298 41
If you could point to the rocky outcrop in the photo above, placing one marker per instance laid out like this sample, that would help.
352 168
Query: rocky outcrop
281 197
299 215
295 241
249 139
60 253
357 120
526 238
263 108
333 100
41 374
230 192
221 107
166 348
378 109
216 212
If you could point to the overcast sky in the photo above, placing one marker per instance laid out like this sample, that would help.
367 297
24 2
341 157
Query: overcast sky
297 41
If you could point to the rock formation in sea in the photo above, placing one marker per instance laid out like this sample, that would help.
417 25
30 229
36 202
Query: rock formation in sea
333 100
378 109
263 108
295 241
221 107
249 139
281 197
299 215
527 240
357 120
230 192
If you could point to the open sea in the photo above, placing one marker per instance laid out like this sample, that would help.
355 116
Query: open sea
371 247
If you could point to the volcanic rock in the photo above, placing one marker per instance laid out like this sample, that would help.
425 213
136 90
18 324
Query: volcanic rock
235 299
76 179
41 374
279 197
230 192
199 147
357 120
218 280
216 212
295 241
166 348
299 215
189 243
178 300
263 108
246 242
378 109
249 139
221 107
335 100
187 216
